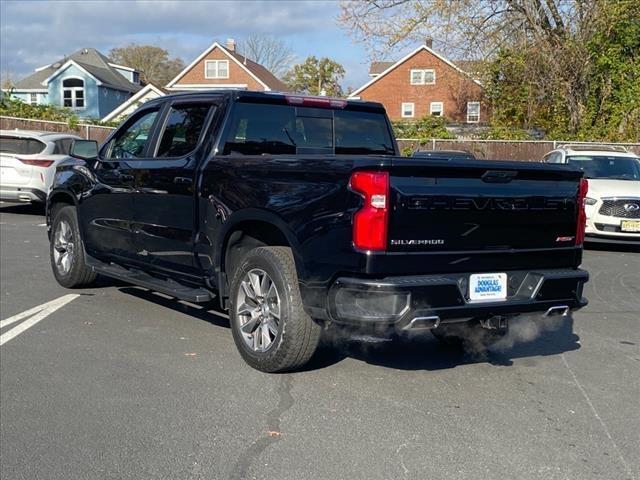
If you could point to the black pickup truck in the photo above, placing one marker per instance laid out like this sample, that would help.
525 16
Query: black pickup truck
297 213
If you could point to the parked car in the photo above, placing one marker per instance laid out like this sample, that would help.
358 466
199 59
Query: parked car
28 163
613 201
297 213
444 154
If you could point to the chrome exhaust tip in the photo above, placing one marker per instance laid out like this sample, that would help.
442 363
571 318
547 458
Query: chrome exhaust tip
560 310
422 323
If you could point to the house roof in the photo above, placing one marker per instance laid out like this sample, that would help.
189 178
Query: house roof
90 60
257 71
149 87
404 59
377 68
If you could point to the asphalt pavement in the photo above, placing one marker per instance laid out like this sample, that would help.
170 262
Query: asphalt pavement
122 383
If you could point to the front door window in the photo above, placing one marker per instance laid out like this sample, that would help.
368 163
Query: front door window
132 141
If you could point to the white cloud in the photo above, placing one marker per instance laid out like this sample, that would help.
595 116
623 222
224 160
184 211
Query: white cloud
38 33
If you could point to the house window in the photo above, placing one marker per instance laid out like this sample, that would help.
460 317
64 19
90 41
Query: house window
33 98
73 93
473 112
436 109
407 109
423 77
216 69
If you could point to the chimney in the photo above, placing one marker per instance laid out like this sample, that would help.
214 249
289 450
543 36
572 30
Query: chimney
231 44
428 42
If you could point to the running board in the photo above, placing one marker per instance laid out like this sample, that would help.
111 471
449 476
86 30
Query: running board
141 279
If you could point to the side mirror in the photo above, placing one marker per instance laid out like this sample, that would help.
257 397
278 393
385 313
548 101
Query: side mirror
84 149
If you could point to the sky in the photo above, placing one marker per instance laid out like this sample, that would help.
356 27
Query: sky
36 33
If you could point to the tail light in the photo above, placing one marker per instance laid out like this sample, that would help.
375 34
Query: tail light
370 222
36 162
581 223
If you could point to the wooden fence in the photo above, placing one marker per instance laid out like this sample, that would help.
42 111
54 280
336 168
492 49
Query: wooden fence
91 132
523 150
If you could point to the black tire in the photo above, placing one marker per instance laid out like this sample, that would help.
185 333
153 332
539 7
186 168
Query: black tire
74 273
297 336
469 336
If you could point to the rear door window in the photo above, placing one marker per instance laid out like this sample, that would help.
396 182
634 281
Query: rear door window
362 133
258 129
21 146
182 130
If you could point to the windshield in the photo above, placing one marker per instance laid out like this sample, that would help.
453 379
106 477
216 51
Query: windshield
602 166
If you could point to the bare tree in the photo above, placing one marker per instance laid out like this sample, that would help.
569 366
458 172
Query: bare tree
554 34
270 52
6 80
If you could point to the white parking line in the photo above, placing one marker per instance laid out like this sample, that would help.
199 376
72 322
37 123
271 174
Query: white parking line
40 312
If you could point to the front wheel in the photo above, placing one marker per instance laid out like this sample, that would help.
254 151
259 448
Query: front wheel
270 327
67 251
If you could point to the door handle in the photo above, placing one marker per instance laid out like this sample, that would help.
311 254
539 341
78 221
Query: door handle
125 177
182 181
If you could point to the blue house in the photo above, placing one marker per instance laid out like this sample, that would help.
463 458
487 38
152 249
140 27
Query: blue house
86 82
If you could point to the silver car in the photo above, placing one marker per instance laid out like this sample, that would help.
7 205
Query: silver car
28 163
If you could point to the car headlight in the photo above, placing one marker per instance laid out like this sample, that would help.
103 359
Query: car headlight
590 201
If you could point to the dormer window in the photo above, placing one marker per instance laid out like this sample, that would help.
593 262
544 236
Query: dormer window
73 93
216 69
423 76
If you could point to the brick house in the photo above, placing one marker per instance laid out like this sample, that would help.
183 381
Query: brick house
221 67
425 83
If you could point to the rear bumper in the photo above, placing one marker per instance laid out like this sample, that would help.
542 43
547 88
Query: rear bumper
22 195
444 298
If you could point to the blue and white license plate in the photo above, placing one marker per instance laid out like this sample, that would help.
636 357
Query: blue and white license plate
488 286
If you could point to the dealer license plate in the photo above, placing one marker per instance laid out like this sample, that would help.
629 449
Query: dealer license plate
630 226
488 286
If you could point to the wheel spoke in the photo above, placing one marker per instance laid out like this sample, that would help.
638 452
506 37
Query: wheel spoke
248 291
254 278
274 309
250 327
256 340
266 338
246 309
272 293
273 327
66 261
265 285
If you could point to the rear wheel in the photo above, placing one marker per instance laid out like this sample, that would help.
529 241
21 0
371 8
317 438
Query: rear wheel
270 327
67 251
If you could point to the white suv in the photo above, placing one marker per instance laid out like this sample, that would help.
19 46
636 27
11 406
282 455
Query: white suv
28 163
613 200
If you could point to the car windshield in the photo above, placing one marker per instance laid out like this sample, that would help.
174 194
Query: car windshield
603 166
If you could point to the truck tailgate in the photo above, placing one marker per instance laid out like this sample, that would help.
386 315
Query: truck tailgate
482 205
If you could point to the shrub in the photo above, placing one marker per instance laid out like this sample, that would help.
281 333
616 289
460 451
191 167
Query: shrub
427 127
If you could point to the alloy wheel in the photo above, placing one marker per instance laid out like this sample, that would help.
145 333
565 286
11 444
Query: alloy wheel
258 310
63 247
